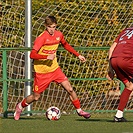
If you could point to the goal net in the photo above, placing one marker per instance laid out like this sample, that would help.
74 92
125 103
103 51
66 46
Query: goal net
90 27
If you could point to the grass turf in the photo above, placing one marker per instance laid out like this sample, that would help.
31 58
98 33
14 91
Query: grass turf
66 124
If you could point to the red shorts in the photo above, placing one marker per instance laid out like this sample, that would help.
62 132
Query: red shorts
123 67
42 81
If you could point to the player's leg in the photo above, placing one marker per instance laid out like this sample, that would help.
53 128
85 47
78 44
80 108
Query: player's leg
41 82
59 77
74 99
123 102
123 70
25 102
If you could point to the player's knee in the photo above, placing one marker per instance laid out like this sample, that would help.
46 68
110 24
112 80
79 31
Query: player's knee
36 97
70 90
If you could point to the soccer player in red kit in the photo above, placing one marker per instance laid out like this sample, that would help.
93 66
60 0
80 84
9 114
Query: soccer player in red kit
121 64
47 69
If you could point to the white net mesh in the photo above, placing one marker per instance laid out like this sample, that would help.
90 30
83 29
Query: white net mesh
85 24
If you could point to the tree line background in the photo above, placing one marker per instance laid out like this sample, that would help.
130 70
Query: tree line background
84 23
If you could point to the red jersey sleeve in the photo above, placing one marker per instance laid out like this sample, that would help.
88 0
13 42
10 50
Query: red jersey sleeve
68 47
39 42
34 55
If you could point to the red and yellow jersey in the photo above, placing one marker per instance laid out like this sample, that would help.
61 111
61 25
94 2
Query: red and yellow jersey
47 44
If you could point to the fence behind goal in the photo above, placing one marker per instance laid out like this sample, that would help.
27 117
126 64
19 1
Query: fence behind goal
90 27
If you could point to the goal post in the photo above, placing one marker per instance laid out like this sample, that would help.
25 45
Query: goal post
28 43
90 27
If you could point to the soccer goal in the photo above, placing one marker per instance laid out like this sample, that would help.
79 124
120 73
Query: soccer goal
90 27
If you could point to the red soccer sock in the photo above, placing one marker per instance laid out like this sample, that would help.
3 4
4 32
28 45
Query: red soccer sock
76 103
124 99
24 104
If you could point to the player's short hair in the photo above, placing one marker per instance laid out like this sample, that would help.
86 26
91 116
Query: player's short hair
49 20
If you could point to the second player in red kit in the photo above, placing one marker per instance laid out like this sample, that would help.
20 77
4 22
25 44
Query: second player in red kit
121 64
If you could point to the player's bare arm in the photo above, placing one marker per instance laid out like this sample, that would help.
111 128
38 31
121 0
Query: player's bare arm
112 49
111 73
82 58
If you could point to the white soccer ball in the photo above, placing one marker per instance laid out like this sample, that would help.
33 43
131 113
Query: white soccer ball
53 113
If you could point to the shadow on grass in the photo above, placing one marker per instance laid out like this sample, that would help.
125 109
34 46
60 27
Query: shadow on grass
101 120
26 118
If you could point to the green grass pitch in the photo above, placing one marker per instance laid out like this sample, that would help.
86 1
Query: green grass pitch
66 124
